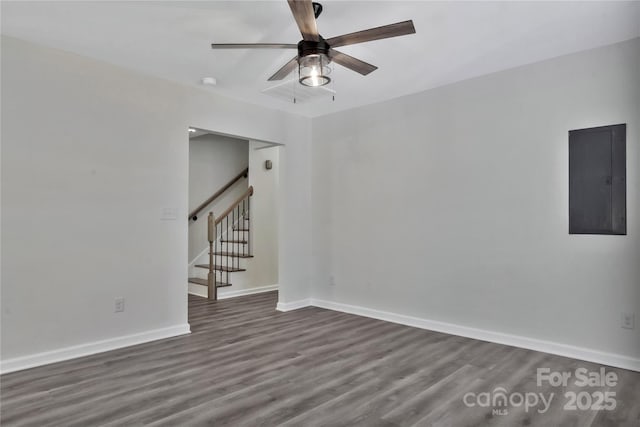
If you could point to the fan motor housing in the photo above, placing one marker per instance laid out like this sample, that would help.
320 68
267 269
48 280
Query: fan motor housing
309 47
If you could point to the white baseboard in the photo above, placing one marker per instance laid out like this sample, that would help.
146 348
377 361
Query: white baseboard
610 359
595 356
230 293
223 293
59 355
294 305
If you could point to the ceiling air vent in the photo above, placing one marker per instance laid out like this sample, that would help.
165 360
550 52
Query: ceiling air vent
291 91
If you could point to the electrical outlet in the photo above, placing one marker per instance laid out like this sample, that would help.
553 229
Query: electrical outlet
628 320
119 305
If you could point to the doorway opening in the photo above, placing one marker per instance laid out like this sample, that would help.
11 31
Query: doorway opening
233 215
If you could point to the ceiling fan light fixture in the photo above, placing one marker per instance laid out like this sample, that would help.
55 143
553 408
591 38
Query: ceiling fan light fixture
315 53
314 70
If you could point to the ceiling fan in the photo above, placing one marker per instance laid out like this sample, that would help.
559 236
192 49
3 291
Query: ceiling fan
315 52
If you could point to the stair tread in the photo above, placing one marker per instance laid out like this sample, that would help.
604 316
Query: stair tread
240 229
233 254
205 282
244 242
221 268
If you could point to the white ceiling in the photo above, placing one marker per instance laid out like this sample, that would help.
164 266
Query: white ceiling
454 40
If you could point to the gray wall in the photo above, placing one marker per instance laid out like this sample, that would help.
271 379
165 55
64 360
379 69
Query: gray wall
482 167
91 154
213 161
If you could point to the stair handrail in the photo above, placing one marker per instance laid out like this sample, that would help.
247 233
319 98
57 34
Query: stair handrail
194 214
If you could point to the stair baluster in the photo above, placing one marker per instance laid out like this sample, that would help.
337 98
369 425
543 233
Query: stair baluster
249 226
212 289
244 216
226 258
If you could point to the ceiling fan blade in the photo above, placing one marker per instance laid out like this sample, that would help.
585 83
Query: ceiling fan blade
351 63
384 32
253 46
305 18
285 70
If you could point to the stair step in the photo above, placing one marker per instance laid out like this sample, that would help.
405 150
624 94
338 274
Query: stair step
232 254
205 282
242 242
221 268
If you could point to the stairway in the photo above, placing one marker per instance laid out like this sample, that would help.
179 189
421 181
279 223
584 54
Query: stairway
229 238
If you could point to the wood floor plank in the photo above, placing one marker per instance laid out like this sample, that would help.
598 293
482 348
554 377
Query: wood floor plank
245 364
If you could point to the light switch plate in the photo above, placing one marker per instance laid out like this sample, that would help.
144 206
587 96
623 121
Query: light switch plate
628 320
118 305
169 214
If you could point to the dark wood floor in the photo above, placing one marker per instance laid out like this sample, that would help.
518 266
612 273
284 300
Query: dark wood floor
247 365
